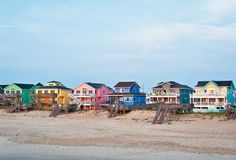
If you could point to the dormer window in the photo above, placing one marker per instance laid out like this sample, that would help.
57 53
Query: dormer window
122 90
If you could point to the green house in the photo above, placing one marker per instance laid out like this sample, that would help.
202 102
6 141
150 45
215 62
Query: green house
21 93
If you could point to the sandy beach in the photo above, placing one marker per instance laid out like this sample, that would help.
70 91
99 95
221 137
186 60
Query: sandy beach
91 135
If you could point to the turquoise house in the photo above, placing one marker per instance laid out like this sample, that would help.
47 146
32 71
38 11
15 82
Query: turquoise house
170 92
20 93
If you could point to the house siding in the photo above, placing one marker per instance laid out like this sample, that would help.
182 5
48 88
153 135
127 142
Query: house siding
131 96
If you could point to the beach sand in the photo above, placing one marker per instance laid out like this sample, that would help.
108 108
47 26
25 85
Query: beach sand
91 135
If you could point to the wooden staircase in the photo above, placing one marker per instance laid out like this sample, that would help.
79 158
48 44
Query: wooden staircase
77 101
3 99
56 111
231 112
114 110
161 114
15 108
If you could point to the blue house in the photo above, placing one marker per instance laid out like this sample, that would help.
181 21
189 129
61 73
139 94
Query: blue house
128 93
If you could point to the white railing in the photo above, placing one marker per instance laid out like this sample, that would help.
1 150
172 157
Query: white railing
78 101
87 103
210 103
164 94
208 95
74 98
83 95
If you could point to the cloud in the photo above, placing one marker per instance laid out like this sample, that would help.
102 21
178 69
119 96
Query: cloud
164 35
218 9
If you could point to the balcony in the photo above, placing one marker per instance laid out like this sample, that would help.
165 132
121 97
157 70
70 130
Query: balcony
160 94
83 95
12 95
44 95
208 95
209 104
87 103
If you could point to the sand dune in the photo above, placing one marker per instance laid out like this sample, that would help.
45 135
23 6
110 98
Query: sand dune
190 133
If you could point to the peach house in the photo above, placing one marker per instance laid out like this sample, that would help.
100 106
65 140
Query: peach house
90 95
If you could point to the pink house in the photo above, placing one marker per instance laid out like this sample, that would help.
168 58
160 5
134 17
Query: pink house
90 95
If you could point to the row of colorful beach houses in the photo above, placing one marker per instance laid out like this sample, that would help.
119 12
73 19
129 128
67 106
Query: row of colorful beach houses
208 96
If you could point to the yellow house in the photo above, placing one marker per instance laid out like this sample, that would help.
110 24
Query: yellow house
213 96
54 93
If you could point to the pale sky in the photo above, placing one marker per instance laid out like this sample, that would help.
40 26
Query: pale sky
106 41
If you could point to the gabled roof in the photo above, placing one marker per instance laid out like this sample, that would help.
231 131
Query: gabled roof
219 83
24 86
173 84
53 82
39 85
95 85
126 84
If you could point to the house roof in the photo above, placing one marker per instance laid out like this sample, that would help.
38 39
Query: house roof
53 82
110 88
173 85
54 87
219 83
39 84
122 94
95 85
3 86
125 84
24 86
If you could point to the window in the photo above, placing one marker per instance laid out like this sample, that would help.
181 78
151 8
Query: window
18 92
78 91
134 99
84 90
12 92
39 92
122 90
52 91
128 99
90 92
138 99
7 92
46 91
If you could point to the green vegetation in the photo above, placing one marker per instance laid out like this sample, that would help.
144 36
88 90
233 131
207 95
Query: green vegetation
4 107
210 115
